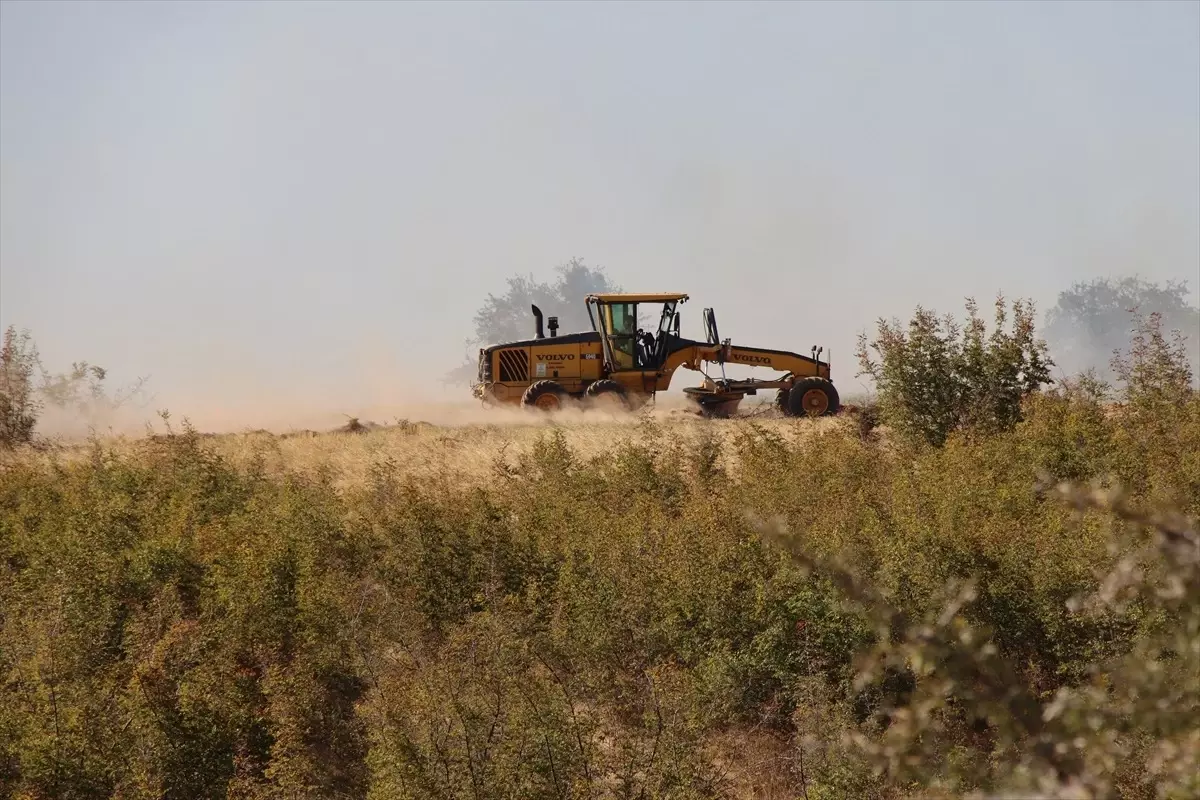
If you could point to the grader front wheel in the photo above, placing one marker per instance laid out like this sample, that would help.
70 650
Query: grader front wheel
781 397
813 397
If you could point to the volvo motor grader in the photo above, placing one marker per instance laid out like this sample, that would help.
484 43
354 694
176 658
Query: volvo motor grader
619 363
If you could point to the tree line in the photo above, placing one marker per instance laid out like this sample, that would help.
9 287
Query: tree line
1089 322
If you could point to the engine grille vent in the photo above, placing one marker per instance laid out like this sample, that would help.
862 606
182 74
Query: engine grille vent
514 366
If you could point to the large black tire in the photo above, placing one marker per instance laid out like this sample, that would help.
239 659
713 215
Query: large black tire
545 396
781 398
813 397
607 389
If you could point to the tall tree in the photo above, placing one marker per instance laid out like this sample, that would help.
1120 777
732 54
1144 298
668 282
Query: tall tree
508 317
81 392
1093 319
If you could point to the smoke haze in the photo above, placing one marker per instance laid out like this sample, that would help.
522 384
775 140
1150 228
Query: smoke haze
291 209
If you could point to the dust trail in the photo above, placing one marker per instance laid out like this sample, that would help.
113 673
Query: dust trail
282 417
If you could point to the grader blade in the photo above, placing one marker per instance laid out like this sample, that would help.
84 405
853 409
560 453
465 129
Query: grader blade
714 401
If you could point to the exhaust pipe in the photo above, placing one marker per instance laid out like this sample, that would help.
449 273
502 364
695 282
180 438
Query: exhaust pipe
537 316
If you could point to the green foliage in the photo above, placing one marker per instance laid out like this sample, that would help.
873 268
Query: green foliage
938 376
19 403
1156 373
1092 319
916 621
508 317
1138 706
24 398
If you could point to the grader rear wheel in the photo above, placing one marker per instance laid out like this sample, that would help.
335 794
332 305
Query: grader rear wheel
607 395
545 396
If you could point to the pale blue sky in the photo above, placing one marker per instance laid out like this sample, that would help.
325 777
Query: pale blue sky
258 202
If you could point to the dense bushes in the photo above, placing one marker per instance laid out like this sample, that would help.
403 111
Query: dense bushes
938 376
843 617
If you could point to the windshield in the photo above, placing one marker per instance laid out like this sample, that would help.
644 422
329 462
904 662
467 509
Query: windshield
624 319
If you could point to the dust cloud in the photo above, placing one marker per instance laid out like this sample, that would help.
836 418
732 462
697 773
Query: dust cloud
286 216
442 407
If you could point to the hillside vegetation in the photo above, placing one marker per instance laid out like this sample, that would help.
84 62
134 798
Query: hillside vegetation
958 600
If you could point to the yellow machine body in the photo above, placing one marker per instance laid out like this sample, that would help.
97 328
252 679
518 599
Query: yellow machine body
619 361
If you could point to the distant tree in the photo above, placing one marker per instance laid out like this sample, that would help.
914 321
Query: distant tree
23 398
1153 371
1092 320
508 317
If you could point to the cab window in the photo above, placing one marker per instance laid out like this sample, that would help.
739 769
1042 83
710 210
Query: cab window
624 319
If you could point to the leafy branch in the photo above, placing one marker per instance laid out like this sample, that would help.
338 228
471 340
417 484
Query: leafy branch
1067 747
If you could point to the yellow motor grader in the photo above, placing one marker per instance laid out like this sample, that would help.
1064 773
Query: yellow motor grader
620 364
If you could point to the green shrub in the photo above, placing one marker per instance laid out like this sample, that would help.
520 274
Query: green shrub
1130 728
938 376
19 404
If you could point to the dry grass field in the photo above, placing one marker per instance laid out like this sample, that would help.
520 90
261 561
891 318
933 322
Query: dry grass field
468 446
471 454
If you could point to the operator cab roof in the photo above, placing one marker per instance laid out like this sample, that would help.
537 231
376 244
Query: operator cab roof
637 298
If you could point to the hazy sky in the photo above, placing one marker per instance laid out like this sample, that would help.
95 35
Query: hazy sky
260 202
